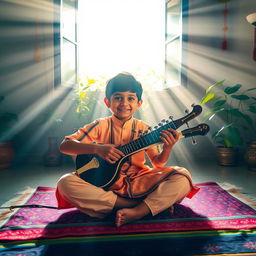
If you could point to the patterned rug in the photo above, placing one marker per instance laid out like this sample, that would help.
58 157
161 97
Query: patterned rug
212 208
214 222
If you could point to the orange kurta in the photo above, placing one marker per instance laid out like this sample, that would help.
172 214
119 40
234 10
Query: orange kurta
138 179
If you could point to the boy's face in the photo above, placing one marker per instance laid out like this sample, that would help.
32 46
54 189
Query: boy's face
123 104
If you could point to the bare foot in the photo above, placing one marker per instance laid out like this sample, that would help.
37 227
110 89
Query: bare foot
124 216
128 215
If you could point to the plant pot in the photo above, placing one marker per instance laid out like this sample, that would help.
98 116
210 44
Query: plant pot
250 156
227 156
52 156
6 154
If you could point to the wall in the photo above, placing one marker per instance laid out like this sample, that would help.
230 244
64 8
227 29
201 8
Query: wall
206 60
26 66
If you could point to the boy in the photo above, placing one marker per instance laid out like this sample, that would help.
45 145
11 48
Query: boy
139 189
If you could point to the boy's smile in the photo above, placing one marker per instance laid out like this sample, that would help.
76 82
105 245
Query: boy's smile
123 104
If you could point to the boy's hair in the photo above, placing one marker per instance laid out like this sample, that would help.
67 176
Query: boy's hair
123 82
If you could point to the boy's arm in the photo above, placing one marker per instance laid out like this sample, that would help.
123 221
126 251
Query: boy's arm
75 147
105 151
169 138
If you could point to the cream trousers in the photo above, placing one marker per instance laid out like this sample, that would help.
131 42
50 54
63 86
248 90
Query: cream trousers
97 202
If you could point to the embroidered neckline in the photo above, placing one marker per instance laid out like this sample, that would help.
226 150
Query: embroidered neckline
112 121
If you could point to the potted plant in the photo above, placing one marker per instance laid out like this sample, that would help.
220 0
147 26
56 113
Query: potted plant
7 121
234 107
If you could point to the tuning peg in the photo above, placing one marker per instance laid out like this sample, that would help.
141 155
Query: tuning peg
192 138
145 133
192 105
160 124
155 127
171 117
150 128
140 132
186 111
163 121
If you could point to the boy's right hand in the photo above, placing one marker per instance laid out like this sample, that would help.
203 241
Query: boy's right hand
109 152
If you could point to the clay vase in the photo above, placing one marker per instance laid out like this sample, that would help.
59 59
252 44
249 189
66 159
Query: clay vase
52 156
6 155
227 156
250 156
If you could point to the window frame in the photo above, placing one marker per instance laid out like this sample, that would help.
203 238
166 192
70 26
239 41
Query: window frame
183 37
58 45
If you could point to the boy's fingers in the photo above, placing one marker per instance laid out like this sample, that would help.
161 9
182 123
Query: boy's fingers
119 152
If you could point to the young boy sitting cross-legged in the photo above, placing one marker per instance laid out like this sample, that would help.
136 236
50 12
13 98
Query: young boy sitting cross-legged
139 189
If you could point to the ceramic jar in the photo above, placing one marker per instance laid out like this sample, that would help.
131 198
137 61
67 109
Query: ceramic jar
6 155
227 156
250 156
52 156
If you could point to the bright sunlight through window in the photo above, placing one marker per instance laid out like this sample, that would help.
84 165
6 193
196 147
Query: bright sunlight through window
121 35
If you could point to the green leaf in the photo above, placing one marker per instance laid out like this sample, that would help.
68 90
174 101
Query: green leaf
217 112
1 98
232 89
236 112
214 110
207 98
86 108
227 143
225 127
217 98
234 136
252 109
219 103
230 135
247 118
240 97
214 85
251 89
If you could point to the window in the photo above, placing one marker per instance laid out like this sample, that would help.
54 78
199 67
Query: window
142 37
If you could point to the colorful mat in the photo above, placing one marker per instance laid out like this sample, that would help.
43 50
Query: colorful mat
212 223
213 208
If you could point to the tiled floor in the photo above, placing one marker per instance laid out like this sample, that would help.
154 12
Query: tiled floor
17 179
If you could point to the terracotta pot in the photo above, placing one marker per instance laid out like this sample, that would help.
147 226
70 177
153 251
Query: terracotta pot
250 156
52 156
6 154
227 156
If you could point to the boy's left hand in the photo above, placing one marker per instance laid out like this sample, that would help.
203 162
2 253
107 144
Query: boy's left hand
169 138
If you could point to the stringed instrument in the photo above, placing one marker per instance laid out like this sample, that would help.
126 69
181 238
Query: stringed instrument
101 173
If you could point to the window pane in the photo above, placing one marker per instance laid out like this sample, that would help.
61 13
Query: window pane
68 16
68 62
173 20
173 62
